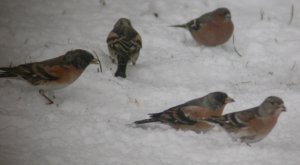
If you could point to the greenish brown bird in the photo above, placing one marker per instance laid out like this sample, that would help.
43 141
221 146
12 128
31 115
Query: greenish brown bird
124 44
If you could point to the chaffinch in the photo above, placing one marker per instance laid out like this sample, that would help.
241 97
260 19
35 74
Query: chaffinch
51 74
211 29
254 124
124 44
184 116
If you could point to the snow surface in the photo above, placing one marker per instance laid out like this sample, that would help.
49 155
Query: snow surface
91 123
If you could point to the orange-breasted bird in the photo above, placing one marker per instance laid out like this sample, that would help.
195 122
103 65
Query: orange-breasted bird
185 116
51 74
254 124
211 29
124 44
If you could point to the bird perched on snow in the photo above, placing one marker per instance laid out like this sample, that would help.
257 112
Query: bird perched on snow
124 44
254 124
211 29
51 74
184 116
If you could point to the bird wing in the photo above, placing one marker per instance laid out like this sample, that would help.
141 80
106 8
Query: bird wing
123 45
197 23
246 116
34 73
181 115
137 41
235 120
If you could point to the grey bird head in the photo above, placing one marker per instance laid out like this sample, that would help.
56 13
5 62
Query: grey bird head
79 58
223 13
271 105
218 99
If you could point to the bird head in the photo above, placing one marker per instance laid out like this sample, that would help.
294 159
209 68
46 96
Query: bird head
218 99
272 105
123 22
222 14
124 28
79 58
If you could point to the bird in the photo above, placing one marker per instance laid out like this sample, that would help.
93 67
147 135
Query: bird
124 44
184 116
251 125
51 74
211 29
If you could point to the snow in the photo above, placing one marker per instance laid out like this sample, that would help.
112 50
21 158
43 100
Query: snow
91 121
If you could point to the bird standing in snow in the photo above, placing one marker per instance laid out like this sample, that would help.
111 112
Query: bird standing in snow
185 116
124 44
51 74
211 29
254 124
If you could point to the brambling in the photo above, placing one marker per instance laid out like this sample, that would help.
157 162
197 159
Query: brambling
51 74
254 124
184 116
124 44
211 29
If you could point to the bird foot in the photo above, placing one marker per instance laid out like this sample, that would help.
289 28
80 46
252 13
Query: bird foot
42 92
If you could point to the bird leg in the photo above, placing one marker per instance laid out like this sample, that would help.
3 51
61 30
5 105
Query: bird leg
42 92
248 145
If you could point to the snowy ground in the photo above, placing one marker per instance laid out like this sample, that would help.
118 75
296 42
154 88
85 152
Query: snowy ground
89 126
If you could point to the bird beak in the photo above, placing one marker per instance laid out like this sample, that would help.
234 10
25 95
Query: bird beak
283 108
95 61
229 100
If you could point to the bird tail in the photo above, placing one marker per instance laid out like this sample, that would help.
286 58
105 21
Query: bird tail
122 65
6 72
180 26
151 120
